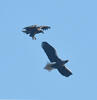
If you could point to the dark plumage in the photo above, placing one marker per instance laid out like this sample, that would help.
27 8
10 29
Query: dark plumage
34 29
56 62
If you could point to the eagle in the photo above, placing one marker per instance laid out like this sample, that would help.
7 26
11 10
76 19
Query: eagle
55 61
34 29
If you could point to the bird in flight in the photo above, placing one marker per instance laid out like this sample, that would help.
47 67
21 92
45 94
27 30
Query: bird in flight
34 29
56 62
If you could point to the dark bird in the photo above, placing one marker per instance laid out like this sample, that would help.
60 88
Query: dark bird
34 29
56 62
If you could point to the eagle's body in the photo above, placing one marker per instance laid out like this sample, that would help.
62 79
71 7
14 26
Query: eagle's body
56 62
34 29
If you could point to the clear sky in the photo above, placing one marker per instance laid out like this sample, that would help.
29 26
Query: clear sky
74 35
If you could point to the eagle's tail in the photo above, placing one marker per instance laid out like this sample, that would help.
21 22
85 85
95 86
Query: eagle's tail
49 66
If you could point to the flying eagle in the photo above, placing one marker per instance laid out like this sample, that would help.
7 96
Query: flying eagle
34 29
56 62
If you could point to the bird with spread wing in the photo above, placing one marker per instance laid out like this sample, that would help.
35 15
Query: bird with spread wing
34 29
56 62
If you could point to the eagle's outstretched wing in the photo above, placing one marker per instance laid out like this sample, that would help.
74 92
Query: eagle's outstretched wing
45 27
30 27
50 52
64 71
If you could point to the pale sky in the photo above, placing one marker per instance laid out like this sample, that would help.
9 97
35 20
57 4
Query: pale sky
74 35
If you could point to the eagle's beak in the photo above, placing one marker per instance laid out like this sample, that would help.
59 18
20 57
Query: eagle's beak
66 61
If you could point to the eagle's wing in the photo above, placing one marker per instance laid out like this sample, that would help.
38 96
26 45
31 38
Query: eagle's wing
29 28
45 27
50 52
64 71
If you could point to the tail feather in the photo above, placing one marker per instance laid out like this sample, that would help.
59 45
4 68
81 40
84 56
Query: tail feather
48 66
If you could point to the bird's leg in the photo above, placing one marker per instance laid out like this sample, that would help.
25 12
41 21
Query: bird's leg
34 38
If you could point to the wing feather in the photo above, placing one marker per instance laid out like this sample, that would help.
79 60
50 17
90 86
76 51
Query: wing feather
64 71
50 52
45 27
